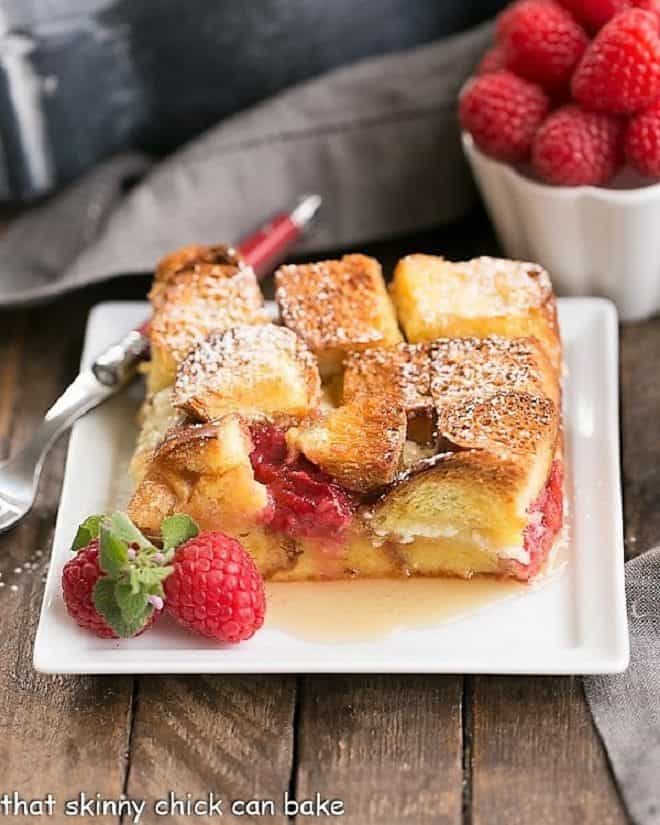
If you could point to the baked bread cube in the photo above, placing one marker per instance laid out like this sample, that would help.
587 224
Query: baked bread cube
359 444
156 417
401 371
473 368
196 302
257 371
187 258
203 470
399 375
336 306
425 378
435 298
475 501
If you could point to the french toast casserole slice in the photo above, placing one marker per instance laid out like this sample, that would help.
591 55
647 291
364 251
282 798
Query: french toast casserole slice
334 447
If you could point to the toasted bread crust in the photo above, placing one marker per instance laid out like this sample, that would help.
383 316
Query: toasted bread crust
471 368
156 417
187 258
337 305
261 370
432 375
203 470
195 303
485 296
401 371
458 491
502 424
360 444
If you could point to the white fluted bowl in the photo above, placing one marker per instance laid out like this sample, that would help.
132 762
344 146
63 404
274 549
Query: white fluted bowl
592 240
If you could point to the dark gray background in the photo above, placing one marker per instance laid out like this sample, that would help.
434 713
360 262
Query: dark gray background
82 79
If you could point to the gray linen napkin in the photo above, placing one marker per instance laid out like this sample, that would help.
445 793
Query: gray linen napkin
626 707
378 139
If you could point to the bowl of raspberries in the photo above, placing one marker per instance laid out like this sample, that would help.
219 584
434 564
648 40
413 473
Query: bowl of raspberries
561 126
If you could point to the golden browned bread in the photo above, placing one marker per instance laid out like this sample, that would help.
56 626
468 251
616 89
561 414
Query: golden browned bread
203 470
156 417
360 444
196 302
335 306
445 446
401 371
436 298
456 494
257 371
187 257
426 378
480 367
480 495
503 424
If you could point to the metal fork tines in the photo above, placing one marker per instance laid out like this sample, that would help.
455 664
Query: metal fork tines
10 512
19 475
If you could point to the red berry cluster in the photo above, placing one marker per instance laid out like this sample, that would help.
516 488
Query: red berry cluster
572 86
118 583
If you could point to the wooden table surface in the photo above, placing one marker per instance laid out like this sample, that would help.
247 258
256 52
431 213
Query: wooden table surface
395 749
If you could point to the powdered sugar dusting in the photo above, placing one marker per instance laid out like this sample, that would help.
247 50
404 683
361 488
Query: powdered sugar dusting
336 303
476 368
227 363
402 370
485 285
513 422
207 298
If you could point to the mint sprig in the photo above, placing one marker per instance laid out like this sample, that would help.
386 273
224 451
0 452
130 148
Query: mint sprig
134 568
176 530
88 531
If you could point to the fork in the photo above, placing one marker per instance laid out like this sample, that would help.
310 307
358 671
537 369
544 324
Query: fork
112 370
117 366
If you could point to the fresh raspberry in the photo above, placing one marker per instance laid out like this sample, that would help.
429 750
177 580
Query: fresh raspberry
642 141
575 147
502 113
546 516
215 588
620 71
492 60
648 5
306 501
79 576
593 14
542 42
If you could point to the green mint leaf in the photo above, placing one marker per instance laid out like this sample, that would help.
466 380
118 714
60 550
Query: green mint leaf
152 576
106 604
124 529
177 529
113 555
105 601
134 579
133 606
87 531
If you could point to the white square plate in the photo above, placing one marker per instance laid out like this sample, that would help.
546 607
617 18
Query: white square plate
573 623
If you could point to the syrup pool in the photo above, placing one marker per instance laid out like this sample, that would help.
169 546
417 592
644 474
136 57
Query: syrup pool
337 611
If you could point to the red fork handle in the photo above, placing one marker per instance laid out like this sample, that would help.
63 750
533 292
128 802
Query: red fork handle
269 244
266 247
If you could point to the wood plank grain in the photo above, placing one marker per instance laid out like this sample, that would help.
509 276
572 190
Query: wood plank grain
536 757
388 746
11 339
640 423
60 734
232 736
